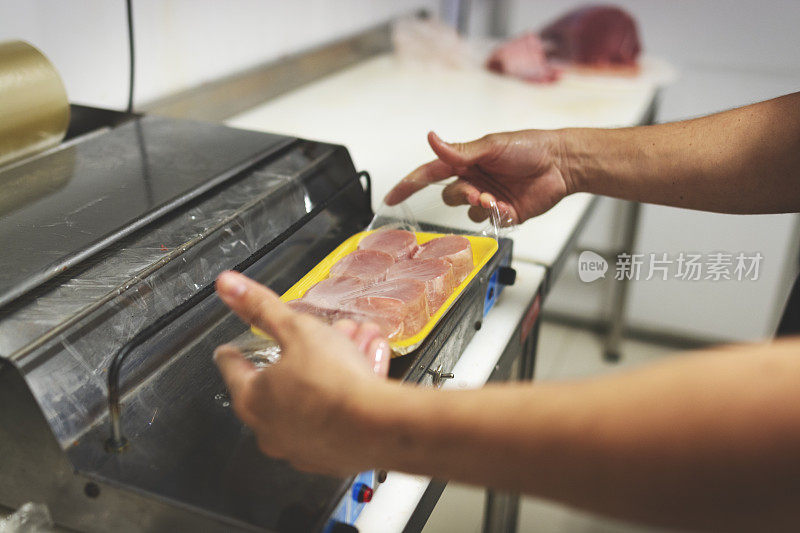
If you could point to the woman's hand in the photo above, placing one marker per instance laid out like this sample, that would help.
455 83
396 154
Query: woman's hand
307 407
521 172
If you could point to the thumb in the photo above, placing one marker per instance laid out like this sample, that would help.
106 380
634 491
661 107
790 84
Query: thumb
235 369
257 305
459 154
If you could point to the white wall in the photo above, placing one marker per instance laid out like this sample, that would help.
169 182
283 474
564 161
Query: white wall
728 53
179 43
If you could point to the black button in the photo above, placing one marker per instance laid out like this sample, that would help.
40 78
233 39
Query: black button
506 275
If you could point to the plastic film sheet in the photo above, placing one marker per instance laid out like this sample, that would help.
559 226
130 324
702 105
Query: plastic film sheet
423 205
406 283
143 277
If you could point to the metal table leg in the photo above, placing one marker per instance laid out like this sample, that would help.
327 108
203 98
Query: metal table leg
501 509
619 296
500 512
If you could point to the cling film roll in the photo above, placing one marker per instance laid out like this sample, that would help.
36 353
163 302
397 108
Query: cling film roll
34 110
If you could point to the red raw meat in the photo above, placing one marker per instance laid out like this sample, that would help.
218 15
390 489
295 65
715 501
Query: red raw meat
387 313
523 57
369 266
331 292
455 249
415 305
437 274
399 244
598 36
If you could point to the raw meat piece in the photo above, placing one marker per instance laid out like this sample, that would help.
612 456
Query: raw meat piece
598 36
437 274
455 249
399 244
524 58
399 307
409 291
302 305
331 292
387 313
369 266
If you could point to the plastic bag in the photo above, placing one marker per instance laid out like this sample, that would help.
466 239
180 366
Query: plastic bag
425 208
430 41
30 518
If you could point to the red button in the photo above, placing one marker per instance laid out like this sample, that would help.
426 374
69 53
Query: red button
364 494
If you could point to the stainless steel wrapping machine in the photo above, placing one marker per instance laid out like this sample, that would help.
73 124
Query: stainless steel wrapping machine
106 294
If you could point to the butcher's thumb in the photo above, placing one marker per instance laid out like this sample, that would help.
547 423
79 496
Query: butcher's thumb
458 154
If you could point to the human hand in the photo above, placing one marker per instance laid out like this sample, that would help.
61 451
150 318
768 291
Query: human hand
306 407
520 172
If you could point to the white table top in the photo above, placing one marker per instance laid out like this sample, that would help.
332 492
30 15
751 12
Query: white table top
383 108
396 498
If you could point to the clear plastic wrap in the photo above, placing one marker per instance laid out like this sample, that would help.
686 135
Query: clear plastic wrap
29 518
436 252
137 280
425 208
431 42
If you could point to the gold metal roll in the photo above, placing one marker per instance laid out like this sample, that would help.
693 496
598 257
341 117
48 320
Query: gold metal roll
34 110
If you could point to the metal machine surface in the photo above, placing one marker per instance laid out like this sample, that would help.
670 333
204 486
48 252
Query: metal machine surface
183 201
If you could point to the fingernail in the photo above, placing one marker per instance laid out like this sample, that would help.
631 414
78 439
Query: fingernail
381 353
437 136
218 353
230 285
487 200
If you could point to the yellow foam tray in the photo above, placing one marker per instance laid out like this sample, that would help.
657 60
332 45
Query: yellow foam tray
483 249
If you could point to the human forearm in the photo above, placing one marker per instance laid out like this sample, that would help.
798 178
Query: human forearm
745 160
707 441
700 442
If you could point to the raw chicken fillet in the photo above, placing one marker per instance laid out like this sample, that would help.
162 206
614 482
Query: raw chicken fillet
324 299
436 274
390 281
369 266
412 294
454 249
399 307
387 313
318 309
399 244
331 292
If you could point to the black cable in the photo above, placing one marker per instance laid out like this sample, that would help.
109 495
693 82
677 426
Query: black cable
132 56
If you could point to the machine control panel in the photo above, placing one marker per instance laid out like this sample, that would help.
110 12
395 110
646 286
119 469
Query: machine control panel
351 505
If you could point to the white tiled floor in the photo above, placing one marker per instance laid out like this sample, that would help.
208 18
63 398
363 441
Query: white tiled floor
563 353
